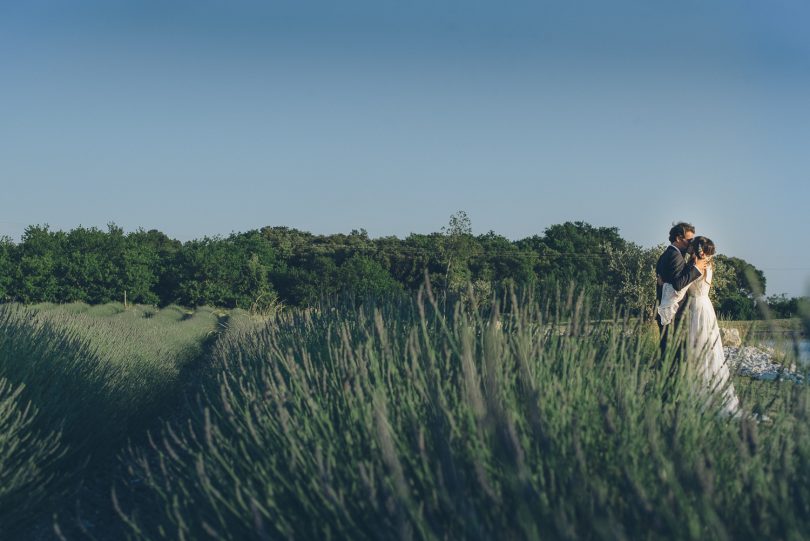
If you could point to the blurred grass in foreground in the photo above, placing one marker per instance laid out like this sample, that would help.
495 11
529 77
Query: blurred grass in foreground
400 420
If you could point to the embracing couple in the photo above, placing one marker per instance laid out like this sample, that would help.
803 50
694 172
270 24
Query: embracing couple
683 290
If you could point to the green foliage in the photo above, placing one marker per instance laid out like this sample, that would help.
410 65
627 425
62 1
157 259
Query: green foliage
401 422
419 255
578 252
139 270
26 459
229 273
458 247
783 307
111 362
36 261
308 283
365 277
634 268
502 262
723 281
86 265
737 288
6 268
388 418
263 269
162 252
76 384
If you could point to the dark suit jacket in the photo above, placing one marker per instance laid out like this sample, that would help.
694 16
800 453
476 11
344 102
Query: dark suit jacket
672 269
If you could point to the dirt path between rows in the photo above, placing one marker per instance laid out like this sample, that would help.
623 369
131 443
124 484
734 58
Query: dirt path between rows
91 515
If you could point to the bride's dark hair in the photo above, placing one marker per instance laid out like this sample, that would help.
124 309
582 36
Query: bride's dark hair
702 247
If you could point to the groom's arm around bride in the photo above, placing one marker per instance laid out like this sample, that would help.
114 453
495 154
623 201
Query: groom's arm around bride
673 269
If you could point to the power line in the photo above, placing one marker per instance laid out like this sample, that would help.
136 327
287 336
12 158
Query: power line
334 248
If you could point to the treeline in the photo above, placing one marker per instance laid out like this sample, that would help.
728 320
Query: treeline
260 268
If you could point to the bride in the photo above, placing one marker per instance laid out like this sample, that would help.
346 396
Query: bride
704 345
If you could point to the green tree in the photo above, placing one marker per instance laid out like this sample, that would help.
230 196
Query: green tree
503 262
634 269
741 276
365 277
158 252
140 268
37 258
782 306
458 249
7 269
577 251
734 285
87 263
302 269
308 282
258 260
412 258
229 272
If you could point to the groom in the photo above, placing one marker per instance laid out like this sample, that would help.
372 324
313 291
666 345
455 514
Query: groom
672 268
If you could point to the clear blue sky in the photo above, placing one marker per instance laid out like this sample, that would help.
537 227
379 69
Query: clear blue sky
204 117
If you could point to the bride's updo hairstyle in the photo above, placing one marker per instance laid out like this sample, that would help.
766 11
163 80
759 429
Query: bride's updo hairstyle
702 247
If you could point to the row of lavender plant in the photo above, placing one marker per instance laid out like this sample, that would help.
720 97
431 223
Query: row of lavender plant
407 420
75 383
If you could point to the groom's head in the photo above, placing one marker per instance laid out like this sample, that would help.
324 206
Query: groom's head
680 235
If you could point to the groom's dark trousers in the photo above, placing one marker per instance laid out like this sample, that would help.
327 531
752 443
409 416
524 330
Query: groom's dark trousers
672 268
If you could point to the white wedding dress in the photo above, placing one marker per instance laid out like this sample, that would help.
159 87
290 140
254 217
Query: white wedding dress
704 344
